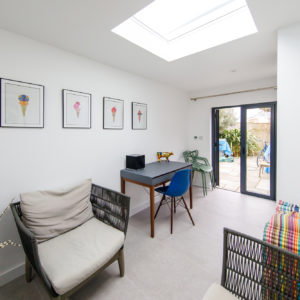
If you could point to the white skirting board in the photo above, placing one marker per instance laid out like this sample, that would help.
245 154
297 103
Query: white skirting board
12 274
145 205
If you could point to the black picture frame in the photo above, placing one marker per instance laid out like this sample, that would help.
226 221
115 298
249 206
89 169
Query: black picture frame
109 116
4 104
69 121
134 106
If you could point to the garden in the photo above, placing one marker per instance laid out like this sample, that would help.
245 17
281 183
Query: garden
257 138
233 138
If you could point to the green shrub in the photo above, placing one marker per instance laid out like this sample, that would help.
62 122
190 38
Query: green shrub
252 147
233 138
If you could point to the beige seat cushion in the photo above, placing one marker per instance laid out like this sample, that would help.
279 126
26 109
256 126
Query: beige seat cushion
72 257
217 292
50 213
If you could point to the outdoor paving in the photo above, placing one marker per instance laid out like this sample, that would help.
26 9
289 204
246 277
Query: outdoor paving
230 177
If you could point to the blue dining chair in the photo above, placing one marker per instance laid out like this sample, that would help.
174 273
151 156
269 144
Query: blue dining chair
174 193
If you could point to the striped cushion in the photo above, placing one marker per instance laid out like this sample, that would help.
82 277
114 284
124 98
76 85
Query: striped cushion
293 214
284 207
283 231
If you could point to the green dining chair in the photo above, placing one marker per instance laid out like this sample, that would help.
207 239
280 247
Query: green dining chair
200 164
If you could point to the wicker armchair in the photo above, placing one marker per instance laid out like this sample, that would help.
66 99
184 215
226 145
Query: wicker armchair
256 270
110 207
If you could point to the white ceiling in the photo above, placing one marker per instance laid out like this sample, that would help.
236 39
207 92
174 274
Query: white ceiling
84 27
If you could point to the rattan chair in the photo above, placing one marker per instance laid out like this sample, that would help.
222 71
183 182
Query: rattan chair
108 206
255 270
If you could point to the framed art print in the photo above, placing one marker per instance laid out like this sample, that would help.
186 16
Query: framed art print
139 116
76 109
113 113
22 104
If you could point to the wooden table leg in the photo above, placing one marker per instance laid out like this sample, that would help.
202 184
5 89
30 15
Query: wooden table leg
152 210
191 192
122 185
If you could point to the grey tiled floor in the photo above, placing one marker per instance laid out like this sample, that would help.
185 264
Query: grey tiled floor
178 266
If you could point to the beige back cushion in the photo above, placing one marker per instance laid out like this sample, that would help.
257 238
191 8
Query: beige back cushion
50 213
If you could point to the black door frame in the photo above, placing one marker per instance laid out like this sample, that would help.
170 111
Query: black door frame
243 170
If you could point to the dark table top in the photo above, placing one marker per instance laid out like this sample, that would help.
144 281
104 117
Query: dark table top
155 172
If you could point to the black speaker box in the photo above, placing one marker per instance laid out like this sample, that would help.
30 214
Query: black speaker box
135 161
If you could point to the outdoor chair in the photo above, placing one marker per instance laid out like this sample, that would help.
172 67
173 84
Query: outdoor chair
69 259
256 270
201 165
174 193
262 166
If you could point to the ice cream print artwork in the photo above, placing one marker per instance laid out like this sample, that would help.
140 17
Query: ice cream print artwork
22 104
23 101
76 109
139 115
113 113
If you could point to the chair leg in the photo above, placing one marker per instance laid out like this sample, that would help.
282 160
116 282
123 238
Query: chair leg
160 204
205 187
212 181
187 209
28 270
204 183
121 263
172 209
174 206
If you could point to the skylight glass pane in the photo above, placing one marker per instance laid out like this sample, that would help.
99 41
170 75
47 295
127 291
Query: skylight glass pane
171 18
176 28
212 35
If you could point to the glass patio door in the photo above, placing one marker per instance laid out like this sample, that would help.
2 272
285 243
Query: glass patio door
258 150
244 148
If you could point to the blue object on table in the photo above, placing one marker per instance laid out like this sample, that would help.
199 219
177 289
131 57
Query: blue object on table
267 154
224 147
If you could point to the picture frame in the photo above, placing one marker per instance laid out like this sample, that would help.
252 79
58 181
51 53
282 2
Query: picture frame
139 116
113 113
22 104
77 108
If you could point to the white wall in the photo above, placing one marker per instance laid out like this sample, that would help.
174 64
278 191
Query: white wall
288 145
200 111
32 159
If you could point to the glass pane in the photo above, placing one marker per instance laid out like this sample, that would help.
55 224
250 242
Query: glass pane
258 150
229 148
